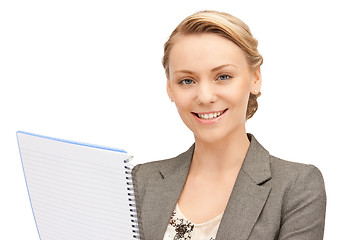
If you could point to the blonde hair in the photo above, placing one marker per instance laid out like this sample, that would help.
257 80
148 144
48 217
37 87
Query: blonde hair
227 26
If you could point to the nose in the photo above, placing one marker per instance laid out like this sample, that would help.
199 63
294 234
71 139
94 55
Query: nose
206 93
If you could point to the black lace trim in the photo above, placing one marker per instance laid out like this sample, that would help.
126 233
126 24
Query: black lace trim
183 228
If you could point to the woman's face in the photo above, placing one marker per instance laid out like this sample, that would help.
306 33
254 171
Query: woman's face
210 82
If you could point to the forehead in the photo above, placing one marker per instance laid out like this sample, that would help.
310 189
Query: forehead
204 50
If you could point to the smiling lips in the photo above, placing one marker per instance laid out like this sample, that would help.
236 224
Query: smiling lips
209 117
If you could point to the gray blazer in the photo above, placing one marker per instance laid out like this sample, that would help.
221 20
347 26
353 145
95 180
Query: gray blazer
271 198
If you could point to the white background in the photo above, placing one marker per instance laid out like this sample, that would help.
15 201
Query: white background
91 71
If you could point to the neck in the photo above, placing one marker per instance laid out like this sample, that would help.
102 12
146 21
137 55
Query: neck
220 157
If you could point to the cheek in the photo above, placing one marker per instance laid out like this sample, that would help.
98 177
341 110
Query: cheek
184 110
183 99
182 103
238 95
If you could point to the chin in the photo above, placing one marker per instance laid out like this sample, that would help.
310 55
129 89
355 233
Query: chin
210 137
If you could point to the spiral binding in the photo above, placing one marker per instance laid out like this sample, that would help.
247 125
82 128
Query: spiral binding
130 189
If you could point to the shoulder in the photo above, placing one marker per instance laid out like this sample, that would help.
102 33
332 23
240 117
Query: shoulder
300 186
285 172
155 170
299 197
151 170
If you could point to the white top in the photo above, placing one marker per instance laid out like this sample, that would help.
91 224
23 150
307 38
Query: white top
180 228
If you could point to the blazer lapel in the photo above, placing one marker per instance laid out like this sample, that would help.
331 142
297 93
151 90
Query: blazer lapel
248 197
162 195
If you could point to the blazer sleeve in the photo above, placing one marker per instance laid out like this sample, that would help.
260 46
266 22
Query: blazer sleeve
303 213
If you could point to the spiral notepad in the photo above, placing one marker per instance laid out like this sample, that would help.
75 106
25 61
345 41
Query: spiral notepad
78 191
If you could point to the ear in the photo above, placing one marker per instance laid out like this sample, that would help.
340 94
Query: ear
169 90
256 81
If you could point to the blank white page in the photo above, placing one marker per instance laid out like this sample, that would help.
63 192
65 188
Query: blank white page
77 191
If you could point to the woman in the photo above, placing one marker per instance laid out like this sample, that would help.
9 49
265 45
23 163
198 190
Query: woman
227 185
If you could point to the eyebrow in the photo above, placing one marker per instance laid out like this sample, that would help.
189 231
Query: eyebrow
212 70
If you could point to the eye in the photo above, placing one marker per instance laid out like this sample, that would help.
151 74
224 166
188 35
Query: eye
186 81
224 77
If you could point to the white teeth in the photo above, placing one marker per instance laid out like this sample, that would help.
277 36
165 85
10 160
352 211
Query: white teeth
209 116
